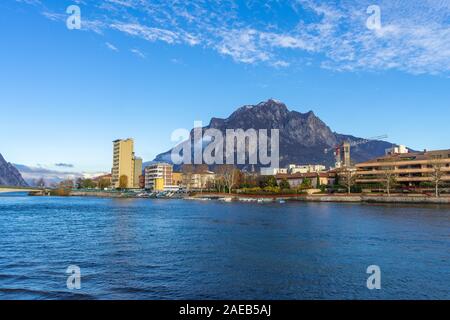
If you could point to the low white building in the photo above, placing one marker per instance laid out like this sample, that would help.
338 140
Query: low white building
309 168
401 149
273 171
199 180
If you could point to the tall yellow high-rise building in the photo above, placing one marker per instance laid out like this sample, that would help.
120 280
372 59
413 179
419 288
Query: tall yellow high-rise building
125 164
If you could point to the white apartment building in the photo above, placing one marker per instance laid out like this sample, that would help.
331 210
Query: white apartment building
158 171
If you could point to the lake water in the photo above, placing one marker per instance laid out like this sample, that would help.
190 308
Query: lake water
177 249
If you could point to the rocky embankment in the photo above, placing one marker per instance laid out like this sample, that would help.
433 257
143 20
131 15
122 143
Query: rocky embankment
413 199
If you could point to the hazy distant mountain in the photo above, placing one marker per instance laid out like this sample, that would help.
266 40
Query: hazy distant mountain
9 175
303 136
51 177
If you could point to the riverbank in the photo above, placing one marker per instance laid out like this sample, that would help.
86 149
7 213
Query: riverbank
415 199
120 194
225 197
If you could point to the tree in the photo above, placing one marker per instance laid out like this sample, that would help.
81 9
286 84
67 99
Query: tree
306 184
347 179
123 182
88 184
66 184
229 175
79 183
268 181
209 184
248 180
187 170
104 183
284 184
219 183
437 175
389 179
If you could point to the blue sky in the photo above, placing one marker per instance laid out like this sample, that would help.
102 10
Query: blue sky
142 69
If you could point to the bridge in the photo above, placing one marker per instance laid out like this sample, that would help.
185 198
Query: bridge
8 189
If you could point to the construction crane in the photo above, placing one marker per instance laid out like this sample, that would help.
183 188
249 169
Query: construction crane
344 148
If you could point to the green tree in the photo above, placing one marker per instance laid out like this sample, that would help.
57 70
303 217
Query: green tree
88 184
79 183
268 181
284 184
306 183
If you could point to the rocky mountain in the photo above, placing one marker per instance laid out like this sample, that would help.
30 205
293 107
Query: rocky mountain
9 175
304 138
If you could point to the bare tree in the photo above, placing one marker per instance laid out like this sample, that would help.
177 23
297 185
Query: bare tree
104 183
66 184
219 182
229 174
201 171
347 178
187 171
389 179
123 182
437 175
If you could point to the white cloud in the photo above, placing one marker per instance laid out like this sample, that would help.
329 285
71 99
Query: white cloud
415 34
138 53
111 46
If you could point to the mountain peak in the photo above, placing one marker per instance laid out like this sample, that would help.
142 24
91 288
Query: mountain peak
273 105
303 136
278 110
272 102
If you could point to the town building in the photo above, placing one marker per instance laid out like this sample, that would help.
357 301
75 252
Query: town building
107 177
177 179
411 169
273 171
104 180
401 149
317 179
125 164
158 176
199 179
309 168
137 172
142 181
